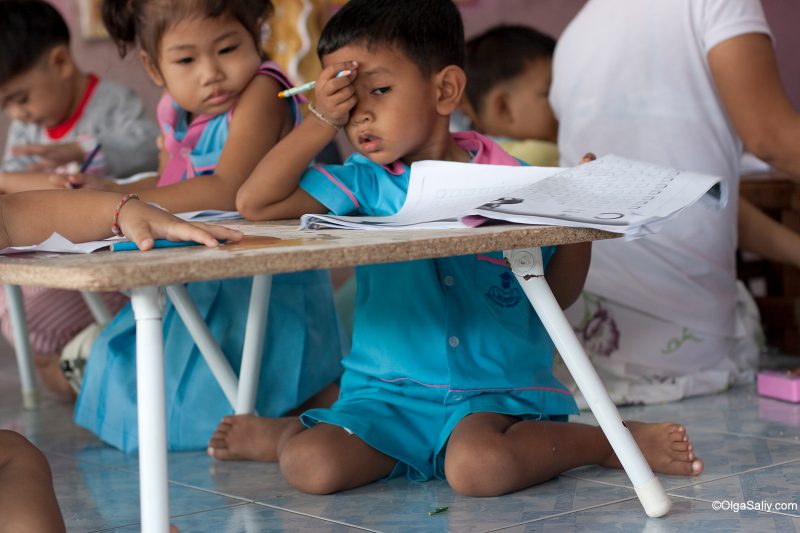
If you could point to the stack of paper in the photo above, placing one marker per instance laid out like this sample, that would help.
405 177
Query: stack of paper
611 193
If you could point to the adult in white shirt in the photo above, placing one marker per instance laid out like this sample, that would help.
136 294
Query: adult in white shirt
683 83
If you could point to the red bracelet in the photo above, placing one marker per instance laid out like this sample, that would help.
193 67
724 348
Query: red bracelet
115 229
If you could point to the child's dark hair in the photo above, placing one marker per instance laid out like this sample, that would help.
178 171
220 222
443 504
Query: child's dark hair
429 32
145 21
501 54
28 30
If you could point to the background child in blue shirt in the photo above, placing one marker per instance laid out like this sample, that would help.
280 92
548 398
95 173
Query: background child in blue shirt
450 371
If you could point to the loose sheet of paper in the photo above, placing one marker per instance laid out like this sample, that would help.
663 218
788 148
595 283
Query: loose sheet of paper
208 215
57 243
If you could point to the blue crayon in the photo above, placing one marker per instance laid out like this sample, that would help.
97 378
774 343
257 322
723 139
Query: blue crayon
128 246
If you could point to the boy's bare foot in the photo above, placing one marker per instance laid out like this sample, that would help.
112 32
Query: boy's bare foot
255 438
247 437
666 448
48 366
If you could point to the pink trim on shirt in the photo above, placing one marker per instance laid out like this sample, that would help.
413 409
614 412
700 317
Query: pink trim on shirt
485 151
396 168
493 260
338 184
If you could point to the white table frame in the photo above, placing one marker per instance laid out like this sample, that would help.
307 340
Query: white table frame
22 345
147 300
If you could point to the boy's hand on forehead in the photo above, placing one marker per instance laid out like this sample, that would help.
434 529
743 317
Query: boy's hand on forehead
50 155
334 94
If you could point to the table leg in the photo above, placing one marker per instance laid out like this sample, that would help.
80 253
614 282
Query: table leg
528 267
253 349
205 341
22 347
98 307
153 482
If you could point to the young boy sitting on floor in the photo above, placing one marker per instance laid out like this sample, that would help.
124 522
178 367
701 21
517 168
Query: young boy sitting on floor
468 395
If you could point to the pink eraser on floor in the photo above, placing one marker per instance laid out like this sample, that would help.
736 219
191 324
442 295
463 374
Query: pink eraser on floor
780 384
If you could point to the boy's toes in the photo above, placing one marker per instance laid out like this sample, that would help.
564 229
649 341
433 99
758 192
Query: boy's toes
686 457
677 433
222 454
219 439
681 446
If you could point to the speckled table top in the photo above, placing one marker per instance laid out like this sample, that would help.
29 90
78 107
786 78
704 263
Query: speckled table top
273 247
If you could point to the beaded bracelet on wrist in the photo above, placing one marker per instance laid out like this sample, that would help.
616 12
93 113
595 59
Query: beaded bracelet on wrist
323 118
115 229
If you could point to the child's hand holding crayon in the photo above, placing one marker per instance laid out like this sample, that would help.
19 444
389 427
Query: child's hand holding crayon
335 95
79 180
74 177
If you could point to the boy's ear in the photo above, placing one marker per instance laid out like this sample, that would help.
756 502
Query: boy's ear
151 68
450 81
60 60
497 110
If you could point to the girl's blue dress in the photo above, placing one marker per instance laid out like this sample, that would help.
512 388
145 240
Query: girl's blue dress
302 352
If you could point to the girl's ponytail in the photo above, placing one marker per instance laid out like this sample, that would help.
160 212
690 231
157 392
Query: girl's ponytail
120 19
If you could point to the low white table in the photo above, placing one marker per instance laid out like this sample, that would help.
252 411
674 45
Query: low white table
274 248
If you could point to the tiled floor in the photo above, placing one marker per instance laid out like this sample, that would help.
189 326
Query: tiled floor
751 447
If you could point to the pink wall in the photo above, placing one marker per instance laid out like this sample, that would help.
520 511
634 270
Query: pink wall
784 19
548 15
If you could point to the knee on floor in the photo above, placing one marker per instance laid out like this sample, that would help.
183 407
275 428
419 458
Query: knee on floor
480 469
14 447
311 467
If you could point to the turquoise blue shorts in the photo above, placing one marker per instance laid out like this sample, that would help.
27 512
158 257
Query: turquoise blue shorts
412 423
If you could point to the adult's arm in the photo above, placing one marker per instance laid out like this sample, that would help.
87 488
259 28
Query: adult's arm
767 237
745 73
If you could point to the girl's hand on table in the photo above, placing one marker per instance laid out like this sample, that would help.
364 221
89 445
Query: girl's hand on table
143 223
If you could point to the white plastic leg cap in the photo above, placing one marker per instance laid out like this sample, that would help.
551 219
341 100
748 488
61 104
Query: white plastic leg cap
654 498
30 400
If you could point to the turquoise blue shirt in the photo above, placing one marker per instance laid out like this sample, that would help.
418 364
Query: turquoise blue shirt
459 324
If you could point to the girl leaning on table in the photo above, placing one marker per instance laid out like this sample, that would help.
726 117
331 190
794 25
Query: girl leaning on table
219 115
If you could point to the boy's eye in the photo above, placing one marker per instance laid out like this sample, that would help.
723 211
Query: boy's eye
184 60
16 101
381 90
229 49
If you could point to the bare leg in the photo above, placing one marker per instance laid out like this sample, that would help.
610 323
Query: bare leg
489 454
27 500
255 438
48 366
326 459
